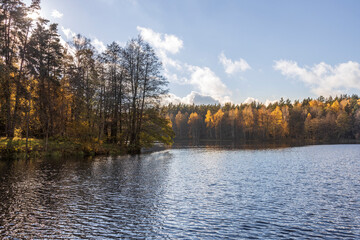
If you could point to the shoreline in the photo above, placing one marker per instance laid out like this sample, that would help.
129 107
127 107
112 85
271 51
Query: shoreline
61 149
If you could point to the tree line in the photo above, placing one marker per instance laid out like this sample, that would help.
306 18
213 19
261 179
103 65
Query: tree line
55 90
315 120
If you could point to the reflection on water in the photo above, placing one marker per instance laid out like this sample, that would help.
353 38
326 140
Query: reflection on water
303 192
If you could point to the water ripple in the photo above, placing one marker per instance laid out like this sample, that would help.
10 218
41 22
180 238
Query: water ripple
307 192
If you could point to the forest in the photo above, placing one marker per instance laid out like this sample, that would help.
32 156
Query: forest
70 93
322 120
60 95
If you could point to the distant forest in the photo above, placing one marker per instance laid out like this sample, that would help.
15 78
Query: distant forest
51 90
312 120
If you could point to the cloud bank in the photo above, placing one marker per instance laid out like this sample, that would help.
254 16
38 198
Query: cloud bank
323 79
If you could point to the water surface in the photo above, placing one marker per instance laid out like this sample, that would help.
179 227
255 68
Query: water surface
302 192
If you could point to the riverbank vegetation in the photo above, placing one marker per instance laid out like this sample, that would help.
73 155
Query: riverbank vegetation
68 94
322 120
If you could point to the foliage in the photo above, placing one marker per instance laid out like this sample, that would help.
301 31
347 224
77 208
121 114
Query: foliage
324 119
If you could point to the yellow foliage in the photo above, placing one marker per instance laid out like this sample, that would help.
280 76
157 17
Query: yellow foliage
233 114
315 103
335 106
277 115
218 117
17 133
209 119
263 117
193 118
169 121
280 121
248 116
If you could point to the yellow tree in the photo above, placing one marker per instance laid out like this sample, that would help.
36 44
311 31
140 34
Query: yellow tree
209 120
194 124
276 117
316 108
218 116
335 106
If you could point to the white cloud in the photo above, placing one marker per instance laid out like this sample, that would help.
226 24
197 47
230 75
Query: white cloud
231 66
99 45
323 79
168 62
165 42
68 33
207 82
56 14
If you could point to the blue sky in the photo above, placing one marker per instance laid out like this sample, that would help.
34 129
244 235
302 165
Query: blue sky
231 50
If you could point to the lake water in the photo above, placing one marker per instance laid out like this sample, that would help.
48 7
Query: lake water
302 192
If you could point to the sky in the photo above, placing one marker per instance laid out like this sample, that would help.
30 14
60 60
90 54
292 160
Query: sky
230 50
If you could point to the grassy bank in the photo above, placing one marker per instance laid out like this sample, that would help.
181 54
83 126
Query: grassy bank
16 148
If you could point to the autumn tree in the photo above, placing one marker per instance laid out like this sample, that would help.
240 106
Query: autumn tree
195 126
209 120
146 85
218 117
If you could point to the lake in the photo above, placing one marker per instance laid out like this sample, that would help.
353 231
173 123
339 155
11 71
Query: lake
300 192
